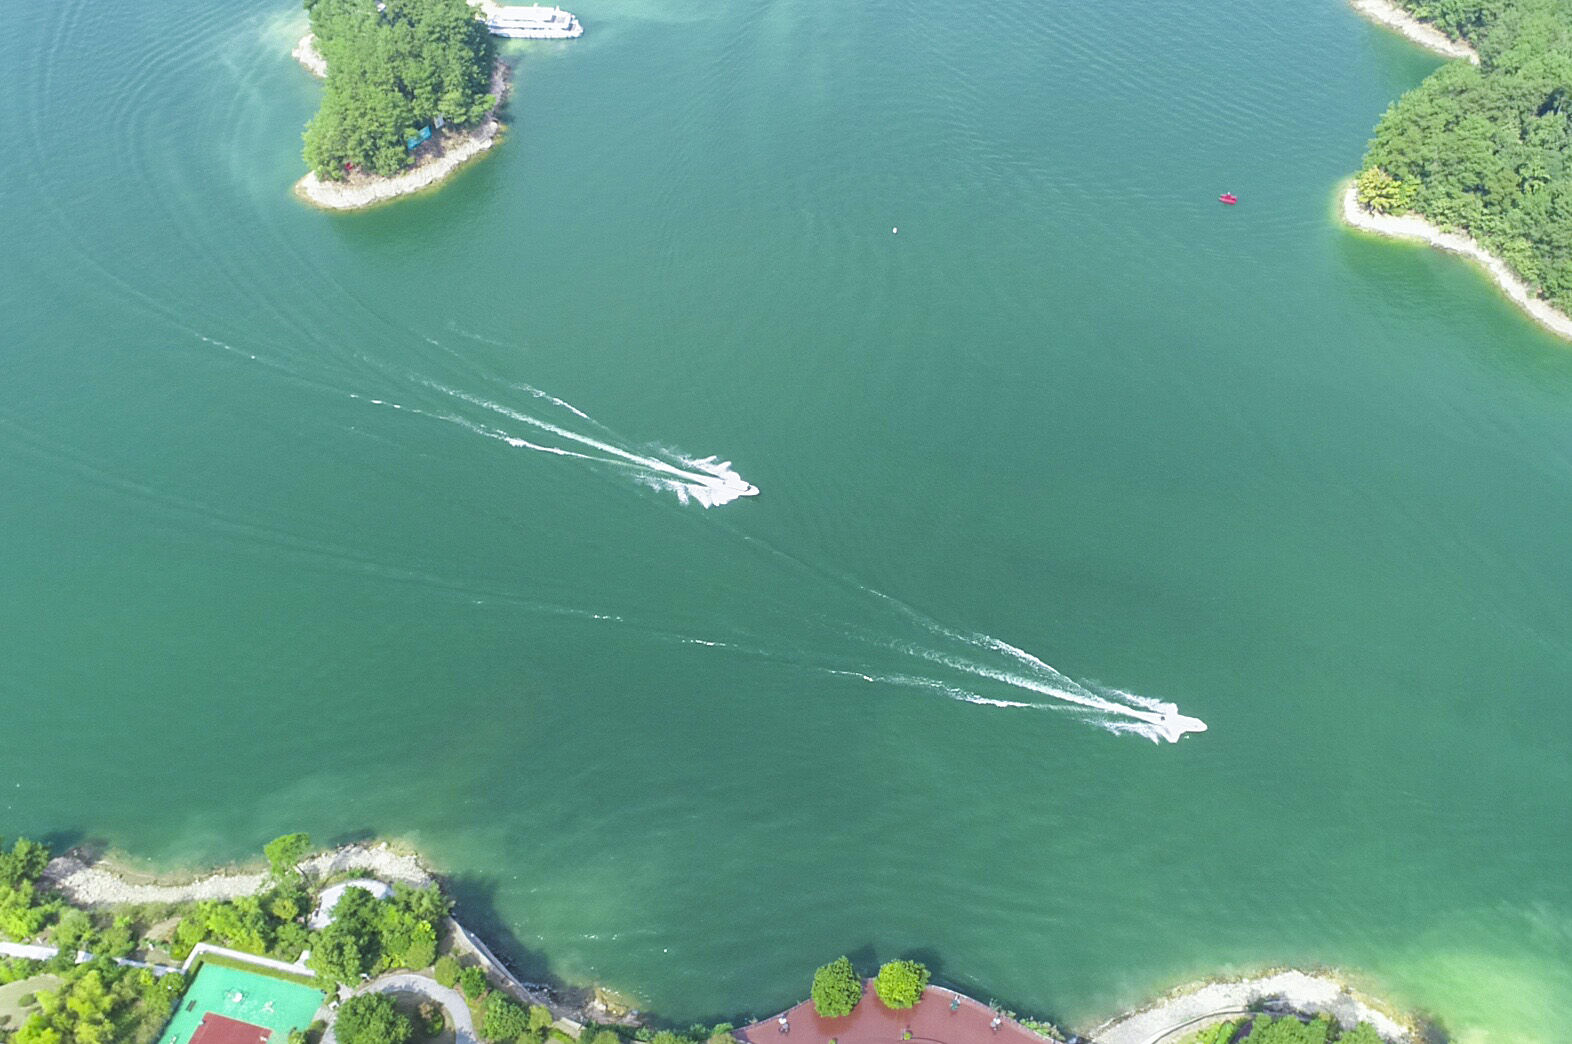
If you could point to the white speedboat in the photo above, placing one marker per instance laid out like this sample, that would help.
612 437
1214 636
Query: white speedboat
534 22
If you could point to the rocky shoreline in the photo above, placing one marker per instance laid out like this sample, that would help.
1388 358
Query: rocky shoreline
1194 1007
1412 226
445 153
1428 36
102 883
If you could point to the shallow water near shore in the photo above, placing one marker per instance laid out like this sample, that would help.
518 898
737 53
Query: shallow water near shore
288 547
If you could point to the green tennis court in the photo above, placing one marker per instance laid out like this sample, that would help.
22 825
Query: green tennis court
260 1000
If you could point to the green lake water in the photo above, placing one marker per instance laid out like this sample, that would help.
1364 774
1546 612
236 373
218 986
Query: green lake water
1311 488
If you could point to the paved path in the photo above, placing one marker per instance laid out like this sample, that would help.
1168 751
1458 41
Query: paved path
405 982
1291 990
43 953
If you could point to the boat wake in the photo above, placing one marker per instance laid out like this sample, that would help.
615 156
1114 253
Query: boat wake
708 481
984 657
982 670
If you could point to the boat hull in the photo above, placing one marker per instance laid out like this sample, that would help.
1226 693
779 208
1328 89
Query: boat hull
510 32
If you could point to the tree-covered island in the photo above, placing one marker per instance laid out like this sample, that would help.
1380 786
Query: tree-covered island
405 79
1486 150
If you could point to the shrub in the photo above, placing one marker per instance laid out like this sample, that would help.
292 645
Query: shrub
899 984
447 970
668 1037
503 1020
601 1036
540 1017
473 982
422 948
836 989
285 853
1364 1033
371 1018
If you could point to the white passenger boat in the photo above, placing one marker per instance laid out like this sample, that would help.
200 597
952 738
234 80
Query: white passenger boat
534 22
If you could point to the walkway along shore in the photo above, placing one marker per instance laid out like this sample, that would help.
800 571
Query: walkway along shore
1195 1007
1390 15
101 884
445 153
1412 226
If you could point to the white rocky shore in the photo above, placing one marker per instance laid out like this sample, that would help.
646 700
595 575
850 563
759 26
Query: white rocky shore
447 151
306 54
1412 226
101 884
1427 36
1196 1007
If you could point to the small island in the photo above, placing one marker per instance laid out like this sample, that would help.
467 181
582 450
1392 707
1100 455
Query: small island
1478 158
360 945
410 94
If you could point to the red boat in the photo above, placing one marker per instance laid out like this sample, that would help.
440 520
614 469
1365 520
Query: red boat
1229 198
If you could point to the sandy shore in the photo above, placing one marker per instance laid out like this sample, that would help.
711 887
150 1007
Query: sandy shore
101 884
1427 36
446 152
1194 1007
1412 226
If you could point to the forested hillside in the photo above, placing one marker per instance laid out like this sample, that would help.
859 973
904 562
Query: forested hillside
1487 150
393 68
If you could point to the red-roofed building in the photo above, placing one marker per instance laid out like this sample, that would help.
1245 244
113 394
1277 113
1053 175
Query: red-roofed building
218 1029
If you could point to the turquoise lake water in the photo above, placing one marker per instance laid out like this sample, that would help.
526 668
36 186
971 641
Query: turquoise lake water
1310 488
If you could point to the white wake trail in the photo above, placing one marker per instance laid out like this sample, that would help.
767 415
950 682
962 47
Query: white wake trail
1112 709
708 481
954 692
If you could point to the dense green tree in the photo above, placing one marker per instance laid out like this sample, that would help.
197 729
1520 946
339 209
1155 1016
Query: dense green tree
23 913
371 1018
540 1017
668 1037
836 988
74 931
393 68
1364 1033
472 981
23 864
285 853
422 947
503 1020
899 984
1289 1030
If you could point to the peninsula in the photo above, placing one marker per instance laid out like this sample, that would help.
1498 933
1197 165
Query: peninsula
1478 158
360 945
410 94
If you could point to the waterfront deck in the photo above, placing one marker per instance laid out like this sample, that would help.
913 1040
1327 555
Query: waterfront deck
941 1017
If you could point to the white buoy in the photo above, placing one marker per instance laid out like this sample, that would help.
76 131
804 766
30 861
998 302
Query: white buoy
895 231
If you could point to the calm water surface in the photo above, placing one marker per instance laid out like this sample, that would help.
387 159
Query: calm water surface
1310 488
